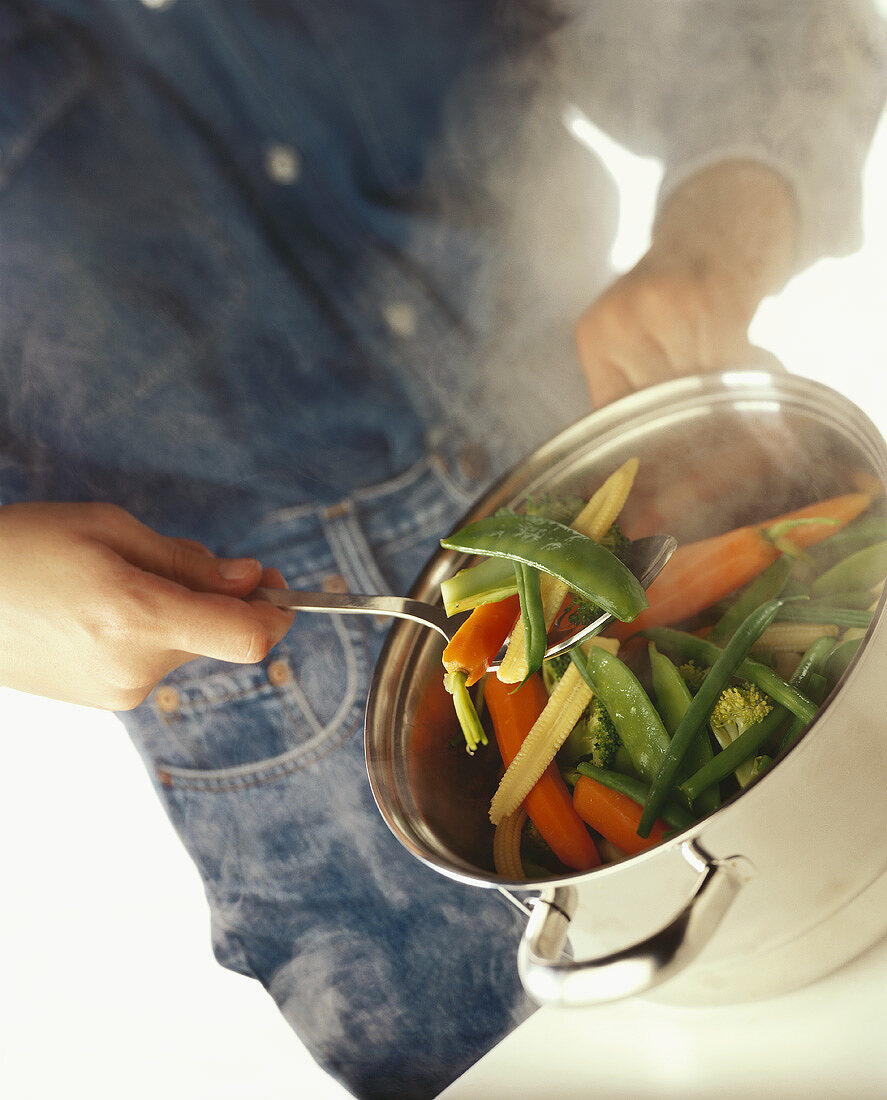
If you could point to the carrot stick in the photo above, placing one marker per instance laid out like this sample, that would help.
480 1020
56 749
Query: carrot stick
701 573
614 815
478 640
841 509
548 804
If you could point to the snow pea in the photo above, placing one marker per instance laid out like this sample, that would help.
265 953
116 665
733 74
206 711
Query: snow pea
673 698
582 564
863 569
855 536
634 716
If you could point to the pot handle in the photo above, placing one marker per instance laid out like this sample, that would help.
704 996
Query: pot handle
551 979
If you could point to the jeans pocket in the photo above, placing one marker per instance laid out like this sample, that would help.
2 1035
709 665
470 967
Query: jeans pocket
227 727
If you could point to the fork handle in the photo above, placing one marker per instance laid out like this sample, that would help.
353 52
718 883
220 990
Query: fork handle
349 603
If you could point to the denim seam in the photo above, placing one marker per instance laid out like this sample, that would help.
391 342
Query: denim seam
346 535
196 701
366 493
407 539
52 112
462 495
326 738
243 777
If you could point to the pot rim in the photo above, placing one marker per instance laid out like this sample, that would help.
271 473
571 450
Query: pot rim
734 387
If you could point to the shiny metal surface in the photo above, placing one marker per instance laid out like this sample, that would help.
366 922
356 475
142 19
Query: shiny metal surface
551 978
644 557
714 451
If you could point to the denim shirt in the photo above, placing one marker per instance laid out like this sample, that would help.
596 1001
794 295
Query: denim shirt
297 279
303 234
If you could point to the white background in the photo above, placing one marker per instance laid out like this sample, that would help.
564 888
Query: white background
108 988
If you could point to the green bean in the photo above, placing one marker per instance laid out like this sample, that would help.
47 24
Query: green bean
816 688
690 648
727 663
755 737
724 763
634 716
855 536
580 562
860 599
824 613
637 790
532 613
766 586
839 660
672 700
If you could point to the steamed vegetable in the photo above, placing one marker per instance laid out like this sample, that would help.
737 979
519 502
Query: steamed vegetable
596 522
548 803
700 574
724 667
652 726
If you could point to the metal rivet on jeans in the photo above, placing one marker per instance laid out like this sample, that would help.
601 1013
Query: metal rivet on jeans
283 163
335 582
279 672
337 511
158 5
401 318
167 699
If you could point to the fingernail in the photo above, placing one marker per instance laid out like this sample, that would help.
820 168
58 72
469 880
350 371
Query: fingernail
238 569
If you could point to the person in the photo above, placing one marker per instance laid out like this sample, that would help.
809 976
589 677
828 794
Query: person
284 285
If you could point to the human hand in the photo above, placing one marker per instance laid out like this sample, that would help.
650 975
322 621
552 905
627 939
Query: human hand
96 608
723 241
655 323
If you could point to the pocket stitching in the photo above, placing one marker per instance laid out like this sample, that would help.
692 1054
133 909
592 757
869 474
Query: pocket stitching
260 772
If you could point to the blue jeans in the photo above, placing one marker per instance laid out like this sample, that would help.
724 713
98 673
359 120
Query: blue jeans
242 358
396 978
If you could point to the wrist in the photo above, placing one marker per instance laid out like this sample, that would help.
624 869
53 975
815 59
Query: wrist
732 229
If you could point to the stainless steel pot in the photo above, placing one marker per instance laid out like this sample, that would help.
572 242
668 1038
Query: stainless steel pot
783 883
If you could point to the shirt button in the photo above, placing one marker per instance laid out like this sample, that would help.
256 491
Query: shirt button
283 164
167 699
279 672
401 318
335 582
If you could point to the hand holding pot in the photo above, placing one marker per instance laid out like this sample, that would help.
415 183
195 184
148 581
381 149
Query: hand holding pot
723 241
95 607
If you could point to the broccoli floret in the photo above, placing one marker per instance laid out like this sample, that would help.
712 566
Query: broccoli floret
693 675
593 738
736 710
562 509
614 540
553 669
